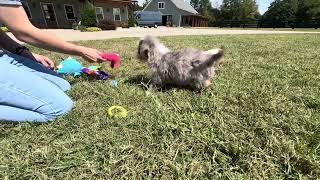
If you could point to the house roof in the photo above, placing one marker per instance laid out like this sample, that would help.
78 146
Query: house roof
181 4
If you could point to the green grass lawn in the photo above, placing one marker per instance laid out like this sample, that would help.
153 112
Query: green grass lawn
260 119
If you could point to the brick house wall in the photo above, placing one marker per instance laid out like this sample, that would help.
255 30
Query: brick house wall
37 14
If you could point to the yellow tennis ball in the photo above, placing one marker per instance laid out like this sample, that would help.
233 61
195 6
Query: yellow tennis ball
121 112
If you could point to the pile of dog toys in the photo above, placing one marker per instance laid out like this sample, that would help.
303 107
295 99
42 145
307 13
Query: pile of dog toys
71 66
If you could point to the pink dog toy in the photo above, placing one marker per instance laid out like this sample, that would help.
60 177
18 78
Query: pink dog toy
114 58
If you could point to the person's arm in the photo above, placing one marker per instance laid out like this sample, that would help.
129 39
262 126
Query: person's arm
14 47
15 18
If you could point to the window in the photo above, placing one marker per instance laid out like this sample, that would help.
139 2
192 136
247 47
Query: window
27 9
99 13
48 12
69 12
116 14
161 5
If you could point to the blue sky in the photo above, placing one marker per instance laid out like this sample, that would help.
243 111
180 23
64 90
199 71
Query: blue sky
263 4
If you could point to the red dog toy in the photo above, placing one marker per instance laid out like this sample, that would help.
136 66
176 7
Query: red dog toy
114 58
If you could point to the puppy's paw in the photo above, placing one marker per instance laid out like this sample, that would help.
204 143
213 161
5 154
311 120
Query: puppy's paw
207 83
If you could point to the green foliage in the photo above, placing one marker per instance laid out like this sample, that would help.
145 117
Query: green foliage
287 10
239 9
314 8
202 6
93 29
136 7
88 15
282 10
145 3
107 24
124 25
82 28
214 17
132 20
249 9
195 4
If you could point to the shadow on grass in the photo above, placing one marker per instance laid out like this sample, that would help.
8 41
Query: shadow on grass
74 80
145 83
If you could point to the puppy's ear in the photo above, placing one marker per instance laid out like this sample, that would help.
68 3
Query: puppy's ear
217 56
139 42
139 45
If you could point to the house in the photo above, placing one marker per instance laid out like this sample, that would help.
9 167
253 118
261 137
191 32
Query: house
177 13
55 14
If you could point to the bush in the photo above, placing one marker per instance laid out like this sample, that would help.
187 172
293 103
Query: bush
124 25
107 24
88 16
93 29
82 28
132 20
5 29
75 26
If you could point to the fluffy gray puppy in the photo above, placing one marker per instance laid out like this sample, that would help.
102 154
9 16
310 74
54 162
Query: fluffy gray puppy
187 68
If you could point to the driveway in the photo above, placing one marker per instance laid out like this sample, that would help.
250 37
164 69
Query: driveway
72 35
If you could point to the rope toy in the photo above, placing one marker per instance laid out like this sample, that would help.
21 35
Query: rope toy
121 112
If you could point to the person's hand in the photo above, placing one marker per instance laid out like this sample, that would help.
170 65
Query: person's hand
45 61
90 54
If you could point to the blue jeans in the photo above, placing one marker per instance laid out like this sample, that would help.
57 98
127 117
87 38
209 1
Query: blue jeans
29 91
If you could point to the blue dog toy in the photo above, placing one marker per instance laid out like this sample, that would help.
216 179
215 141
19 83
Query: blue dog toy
70 66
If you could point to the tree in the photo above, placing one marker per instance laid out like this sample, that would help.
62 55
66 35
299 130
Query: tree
248 9
145 3
302 10
230 9
214 16
88 15
239 9
203 7
136 7
132 19
293 12
293 9
314 8
282 10
195 4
